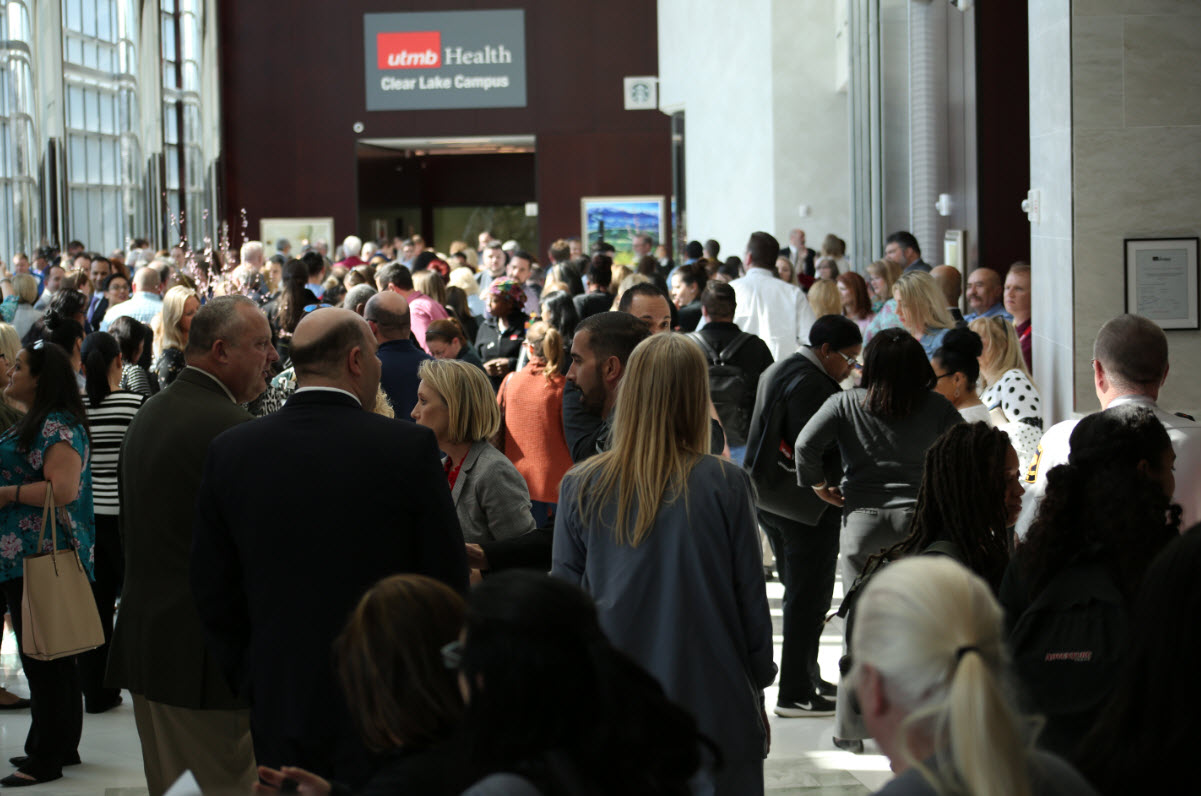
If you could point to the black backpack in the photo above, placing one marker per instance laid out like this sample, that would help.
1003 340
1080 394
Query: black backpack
1068 651
730 388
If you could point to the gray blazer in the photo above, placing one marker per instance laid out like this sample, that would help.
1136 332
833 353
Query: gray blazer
491 498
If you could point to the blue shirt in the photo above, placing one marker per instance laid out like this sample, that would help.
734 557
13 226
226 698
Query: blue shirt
932 340
142 307
20 525
994 310
399 360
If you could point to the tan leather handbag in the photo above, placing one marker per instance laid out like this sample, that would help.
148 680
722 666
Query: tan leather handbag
58 611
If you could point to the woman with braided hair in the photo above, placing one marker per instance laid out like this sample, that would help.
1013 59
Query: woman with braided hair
970 496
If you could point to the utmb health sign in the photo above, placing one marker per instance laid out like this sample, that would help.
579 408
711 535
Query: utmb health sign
451 59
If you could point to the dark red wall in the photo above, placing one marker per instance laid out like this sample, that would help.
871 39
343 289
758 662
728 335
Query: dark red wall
1003 132
293 86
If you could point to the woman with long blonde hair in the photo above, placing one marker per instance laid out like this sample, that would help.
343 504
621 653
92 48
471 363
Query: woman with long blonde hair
663 536
171 328
1010 394
930 671
922 308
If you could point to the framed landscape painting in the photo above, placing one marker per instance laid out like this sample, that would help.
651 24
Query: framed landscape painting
618 219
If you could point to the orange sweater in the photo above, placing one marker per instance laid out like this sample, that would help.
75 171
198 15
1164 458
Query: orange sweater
532 408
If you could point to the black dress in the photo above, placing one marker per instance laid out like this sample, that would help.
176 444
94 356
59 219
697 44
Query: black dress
167 366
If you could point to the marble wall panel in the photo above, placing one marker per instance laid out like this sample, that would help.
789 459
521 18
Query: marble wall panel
1050 78
1084 8
1097 97
1051 174
1162 70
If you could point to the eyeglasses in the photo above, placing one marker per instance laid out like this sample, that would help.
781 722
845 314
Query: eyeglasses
452 655
945 376
852 361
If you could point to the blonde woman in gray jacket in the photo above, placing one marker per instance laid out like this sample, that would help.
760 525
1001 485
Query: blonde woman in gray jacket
455 400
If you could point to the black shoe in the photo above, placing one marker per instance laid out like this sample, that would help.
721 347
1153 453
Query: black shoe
13 781
73 760
101 706
852 745
828 690
815 705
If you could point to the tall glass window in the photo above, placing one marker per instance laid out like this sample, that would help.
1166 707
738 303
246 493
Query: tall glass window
18 139
104 160
182 142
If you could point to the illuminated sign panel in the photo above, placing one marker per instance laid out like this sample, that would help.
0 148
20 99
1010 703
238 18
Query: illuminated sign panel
441 60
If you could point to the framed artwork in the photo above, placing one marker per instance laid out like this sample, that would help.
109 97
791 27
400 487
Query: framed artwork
1162 281
296 230
618 219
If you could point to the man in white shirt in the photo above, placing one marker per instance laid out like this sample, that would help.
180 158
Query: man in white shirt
1130 365
767 306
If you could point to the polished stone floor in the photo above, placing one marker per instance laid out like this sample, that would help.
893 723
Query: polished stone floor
802 761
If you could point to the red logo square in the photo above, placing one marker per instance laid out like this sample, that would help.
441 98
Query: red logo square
415 50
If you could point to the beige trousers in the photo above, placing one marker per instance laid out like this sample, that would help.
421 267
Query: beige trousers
214 745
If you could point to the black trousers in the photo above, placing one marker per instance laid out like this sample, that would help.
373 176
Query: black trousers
806 557
57 709
109 570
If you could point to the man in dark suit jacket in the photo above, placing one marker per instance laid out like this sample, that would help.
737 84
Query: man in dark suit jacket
186 714
387 314
277 568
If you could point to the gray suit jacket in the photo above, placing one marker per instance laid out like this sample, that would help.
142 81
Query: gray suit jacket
491 498
158 648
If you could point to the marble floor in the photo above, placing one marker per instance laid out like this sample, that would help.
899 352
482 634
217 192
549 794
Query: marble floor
802 761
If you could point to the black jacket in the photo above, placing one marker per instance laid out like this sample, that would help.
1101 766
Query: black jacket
766 459
491 344
276 569
689 316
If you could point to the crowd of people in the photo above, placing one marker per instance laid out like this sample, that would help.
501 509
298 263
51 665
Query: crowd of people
543 572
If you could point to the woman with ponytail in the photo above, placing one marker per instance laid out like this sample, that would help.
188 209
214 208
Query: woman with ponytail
929 670
110 411
531 400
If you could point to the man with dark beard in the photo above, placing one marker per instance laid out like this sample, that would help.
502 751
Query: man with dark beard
599 351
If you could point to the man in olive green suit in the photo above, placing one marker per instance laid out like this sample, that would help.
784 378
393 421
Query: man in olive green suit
186 714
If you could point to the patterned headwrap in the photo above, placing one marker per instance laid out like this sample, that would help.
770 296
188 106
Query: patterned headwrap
510 289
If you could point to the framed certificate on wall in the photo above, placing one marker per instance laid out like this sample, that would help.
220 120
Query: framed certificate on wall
1162 281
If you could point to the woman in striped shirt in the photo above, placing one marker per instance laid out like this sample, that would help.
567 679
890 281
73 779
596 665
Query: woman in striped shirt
131 335
110 411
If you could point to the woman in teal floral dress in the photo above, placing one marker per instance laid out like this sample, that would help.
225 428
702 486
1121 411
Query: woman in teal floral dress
49 445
